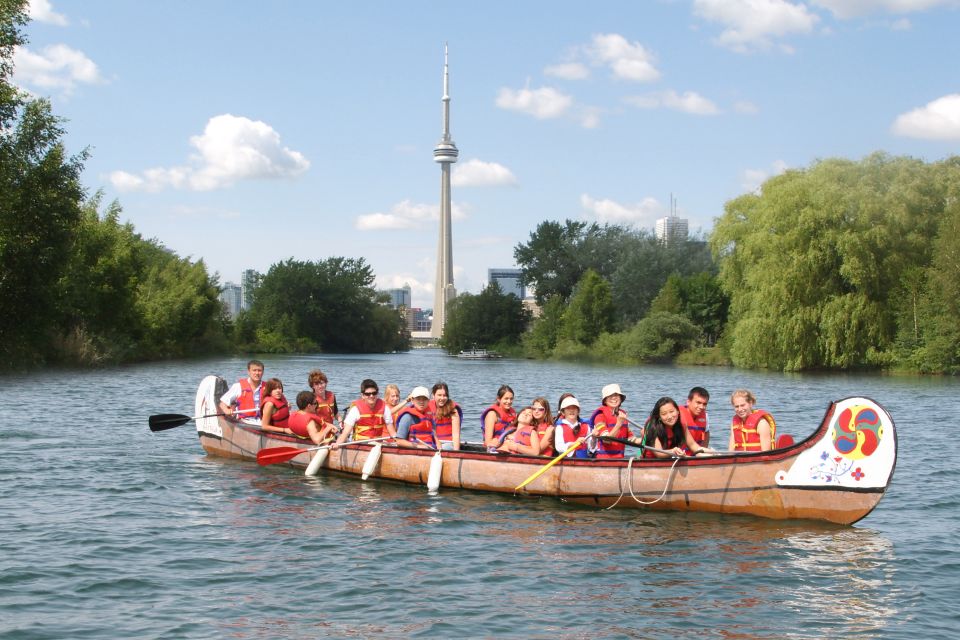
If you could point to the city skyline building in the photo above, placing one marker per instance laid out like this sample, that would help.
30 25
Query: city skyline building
510 281
232 298
249 281
401 296
672 228
445 153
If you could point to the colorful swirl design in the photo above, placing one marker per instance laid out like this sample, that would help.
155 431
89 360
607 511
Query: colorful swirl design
857 432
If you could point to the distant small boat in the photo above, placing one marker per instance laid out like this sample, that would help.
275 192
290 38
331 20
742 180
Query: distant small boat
478 354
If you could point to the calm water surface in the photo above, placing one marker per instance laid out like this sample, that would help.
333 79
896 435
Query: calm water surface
112 531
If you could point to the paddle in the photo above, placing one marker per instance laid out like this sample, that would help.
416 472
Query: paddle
274 455
643 446
436 466
164 421
576 443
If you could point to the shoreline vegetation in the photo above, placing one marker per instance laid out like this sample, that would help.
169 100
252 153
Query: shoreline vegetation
844 265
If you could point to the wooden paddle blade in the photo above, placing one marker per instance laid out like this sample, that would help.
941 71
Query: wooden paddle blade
164 421
275 455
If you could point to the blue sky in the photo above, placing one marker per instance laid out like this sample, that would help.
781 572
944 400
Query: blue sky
245 133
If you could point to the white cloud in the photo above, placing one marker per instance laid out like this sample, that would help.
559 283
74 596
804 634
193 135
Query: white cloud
42 11
854 8
627 60
56 67
938 120
746 107
406 215
687 102
477 173
542 103
590 117
421 288
754 24
644 213
231 149
568 71
753 179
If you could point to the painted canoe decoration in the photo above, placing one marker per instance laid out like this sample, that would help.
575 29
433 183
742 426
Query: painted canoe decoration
837 474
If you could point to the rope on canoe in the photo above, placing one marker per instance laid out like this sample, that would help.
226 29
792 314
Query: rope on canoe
630 484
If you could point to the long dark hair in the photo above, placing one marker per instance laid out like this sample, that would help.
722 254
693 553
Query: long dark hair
655 429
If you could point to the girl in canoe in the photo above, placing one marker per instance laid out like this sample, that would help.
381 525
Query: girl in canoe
666 434
543 421
498 417
611 420
447 416
274 409
569 428
523 438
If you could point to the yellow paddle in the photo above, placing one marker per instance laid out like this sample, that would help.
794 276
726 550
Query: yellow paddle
576 443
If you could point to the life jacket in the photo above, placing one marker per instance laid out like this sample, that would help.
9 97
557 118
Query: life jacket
281 412
608 448
570 436
325 406
671 441
298 423
522 436
371 423
745 434
443 426
696 427
504 420
421 430
249 399
546 446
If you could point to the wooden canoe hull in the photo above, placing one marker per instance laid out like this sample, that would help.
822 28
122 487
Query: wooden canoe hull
838 474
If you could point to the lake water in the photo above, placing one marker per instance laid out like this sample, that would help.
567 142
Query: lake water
111 531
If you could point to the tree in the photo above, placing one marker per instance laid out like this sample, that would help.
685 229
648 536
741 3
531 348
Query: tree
699 298
488 319
590 311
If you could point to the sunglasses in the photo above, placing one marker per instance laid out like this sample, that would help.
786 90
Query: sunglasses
371 394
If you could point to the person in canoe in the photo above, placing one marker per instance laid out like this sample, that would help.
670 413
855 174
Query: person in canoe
611 420
569 428
447 417
391 395
523 436
498 417
543 421
326 400
274 408
751 429
693 415
414 426
368 416
306 424
243 397
665 434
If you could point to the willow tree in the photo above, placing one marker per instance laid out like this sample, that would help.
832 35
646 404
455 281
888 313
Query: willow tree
815 263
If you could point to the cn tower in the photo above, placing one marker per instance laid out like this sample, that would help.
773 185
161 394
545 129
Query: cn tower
446 154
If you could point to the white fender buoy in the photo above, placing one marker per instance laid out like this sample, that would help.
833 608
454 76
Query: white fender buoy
436 471
317 462
372 459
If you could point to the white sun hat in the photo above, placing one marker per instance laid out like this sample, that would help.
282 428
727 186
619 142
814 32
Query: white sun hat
611 389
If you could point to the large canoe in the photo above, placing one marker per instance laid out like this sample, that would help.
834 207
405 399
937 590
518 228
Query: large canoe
837 474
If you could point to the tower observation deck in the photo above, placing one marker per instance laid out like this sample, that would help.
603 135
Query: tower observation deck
446 154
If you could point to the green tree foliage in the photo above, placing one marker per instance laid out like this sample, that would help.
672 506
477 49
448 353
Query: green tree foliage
490 319
546 331
699 298
815 263
329 304
659 338
590 311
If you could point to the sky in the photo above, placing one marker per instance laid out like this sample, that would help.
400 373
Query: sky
245 133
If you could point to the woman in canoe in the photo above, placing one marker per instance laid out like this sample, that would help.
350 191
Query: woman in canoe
665 433
446 415
274 409
751 429
498 417
523 437
543 421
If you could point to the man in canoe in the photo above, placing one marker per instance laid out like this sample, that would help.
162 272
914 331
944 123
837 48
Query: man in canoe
414 426
243 398
693 416
368 417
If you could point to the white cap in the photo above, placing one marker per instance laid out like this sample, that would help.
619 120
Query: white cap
569 402
611 389
419 392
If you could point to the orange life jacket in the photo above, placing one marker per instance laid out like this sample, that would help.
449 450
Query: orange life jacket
248 399
607 448
298 423
546 446
443 426
504 420
745 434
281 411
371 423
325 406
421 430
697 427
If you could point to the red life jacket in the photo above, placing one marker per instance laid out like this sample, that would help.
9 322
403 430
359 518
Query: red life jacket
522 436
670 443
696 427
570 436
371 423
298 423
248 399
421 430
443 426
607 448
745 434
504 420
325 406
546 446
281 412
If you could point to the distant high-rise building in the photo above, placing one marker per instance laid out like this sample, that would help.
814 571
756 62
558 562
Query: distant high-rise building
232 298
510 281
401 297
671 229
249 282
446 154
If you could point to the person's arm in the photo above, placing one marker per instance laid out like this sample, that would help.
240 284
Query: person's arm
706 429
547 438
455 430
733 442
763 430
667 453
266 420
388 418
316 433
228 399
403 432
348 423
692 445
532 449
489 426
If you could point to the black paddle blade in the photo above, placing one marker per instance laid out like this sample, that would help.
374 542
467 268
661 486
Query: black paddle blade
164 421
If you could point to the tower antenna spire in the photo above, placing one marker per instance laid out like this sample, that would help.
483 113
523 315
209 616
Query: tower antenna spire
446 154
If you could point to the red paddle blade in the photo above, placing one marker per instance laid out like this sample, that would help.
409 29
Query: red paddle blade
277 454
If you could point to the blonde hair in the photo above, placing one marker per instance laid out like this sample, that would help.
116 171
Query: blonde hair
746 393
392 387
